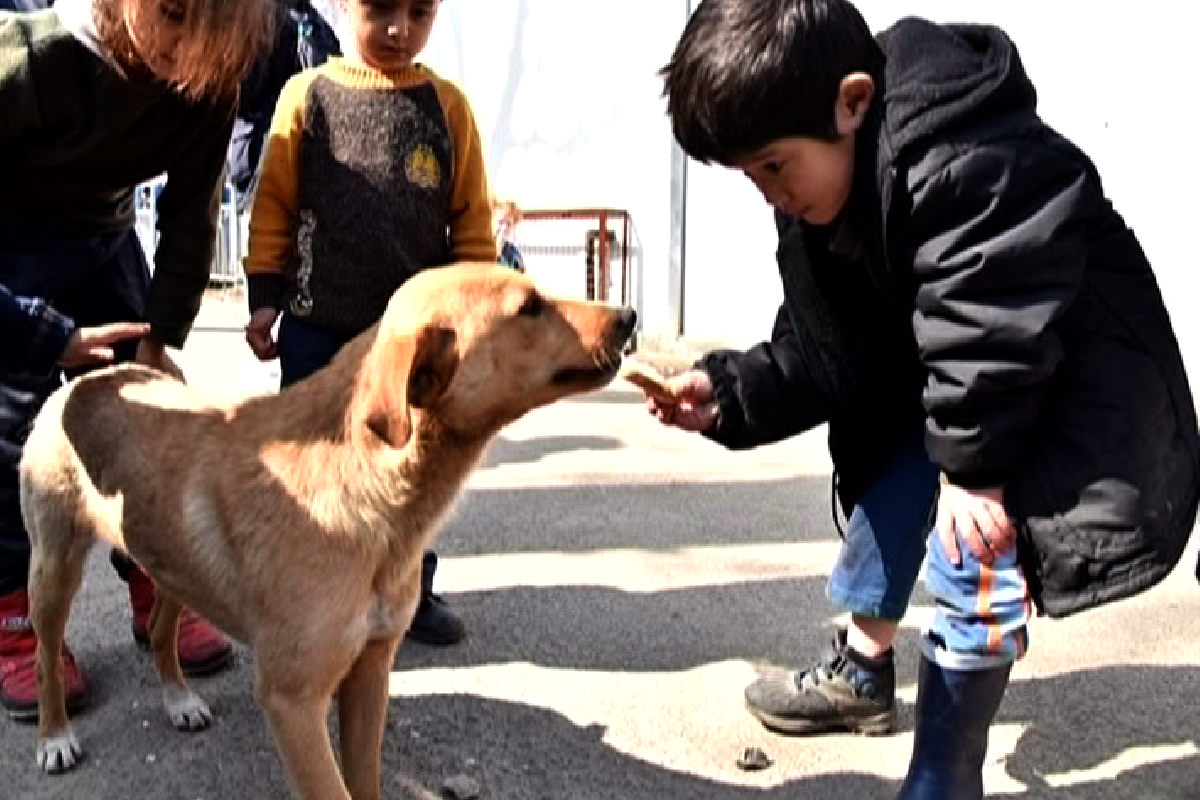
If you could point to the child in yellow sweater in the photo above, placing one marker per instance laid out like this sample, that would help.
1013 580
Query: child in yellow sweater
374 171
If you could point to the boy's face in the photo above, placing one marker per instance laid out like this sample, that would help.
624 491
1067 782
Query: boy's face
804 178
390 34
810 179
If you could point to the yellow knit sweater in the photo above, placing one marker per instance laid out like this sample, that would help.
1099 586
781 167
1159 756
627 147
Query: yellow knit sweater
368 177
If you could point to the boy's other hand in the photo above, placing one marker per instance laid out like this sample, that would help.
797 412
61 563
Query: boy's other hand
91 346
258 333
980 520
695 408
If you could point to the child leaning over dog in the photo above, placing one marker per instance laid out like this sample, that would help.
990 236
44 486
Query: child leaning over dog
952 271
99 96
374 171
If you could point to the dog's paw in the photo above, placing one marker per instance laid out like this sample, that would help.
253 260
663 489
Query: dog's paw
188 712
59 753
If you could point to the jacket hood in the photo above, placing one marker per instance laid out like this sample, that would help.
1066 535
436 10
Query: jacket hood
939 77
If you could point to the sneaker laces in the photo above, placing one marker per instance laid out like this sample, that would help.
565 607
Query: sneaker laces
823 671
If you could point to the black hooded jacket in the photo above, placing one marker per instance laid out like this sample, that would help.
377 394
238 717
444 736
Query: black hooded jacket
1001 301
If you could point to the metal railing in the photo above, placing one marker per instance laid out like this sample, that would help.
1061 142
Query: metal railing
226 269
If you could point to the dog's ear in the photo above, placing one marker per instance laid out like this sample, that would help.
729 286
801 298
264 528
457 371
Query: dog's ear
433 366
409 370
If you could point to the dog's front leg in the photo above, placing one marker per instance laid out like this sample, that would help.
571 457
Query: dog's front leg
298 723
186 709
362 716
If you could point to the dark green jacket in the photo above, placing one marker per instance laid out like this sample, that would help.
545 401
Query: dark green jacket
77 138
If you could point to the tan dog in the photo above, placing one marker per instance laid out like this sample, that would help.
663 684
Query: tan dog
296 522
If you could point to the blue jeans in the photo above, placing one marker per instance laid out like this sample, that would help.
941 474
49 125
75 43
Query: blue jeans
880 559
304 348
92 279
982 611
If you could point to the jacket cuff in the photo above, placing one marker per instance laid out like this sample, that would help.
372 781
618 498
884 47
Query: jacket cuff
727 428
265 290
51 332
977 479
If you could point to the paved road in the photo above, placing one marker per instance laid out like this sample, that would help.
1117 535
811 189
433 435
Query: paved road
622 583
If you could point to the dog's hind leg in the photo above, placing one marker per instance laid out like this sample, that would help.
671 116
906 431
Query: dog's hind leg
298 722
362 716
55 575
186 709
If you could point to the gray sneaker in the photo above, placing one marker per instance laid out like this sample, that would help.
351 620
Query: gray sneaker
835 695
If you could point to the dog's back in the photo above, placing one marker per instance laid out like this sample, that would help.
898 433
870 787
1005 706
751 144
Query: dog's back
70 450
91 463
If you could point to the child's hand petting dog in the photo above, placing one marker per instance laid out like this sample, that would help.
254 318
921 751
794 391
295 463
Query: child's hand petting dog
684 401
90 346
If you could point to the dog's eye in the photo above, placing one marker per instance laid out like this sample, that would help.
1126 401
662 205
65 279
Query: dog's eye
532 307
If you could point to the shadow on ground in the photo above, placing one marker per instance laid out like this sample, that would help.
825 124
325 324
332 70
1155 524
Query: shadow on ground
536 753
528 451
522 752
1076 722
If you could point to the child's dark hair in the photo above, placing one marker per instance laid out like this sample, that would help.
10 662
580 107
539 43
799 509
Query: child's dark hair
748 72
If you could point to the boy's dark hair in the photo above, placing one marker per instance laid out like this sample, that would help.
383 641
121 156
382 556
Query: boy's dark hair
748 72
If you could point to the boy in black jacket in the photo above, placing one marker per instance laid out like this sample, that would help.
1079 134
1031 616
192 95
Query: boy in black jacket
949 259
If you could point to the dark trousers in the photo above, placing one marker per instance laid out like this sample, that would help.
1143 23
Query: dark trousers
92 279
304 349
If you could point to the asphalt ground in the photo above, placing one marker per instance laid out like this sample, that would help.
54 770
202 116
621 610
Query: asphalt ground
622 583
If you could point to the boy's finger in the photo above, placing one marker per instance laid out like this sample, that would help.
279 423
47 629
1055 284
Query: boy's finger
983 543
948 538
1003 534
101 355
127 330
114 332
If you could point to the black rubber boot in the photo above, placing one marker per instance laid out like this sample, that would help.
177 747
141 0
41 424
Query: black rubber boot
435 622
955 709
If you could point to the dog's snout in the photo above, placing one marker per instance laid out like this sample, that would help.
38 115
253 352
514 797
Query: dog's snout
626 321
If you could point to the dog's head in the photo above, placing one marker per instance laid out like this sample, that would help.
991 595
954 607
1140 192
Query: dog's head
477 346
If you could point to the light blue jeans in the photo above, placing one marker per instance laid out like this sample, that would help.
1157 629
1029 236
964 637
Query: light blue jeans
981 614
880 558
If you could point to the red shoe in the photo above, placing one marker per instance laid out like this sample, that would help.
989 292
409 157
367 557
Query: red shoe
18 663
203 649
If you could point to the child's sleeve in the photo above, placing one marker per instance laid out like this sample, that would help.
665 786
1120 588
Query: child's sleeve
471 236
35 335
998 259
276 200
764 394
188 211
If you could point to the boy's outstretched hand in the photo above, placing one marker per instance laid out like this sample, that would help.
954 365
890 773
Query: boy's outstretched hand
258 333
92 346
693 407
979 517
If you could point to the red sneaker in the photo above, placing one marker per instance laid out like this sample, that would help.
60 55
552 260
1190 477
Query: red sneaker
203 649
18 663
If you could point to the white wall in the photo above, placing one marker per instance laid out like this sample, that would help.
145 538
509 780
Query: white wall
1118 79
568 103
